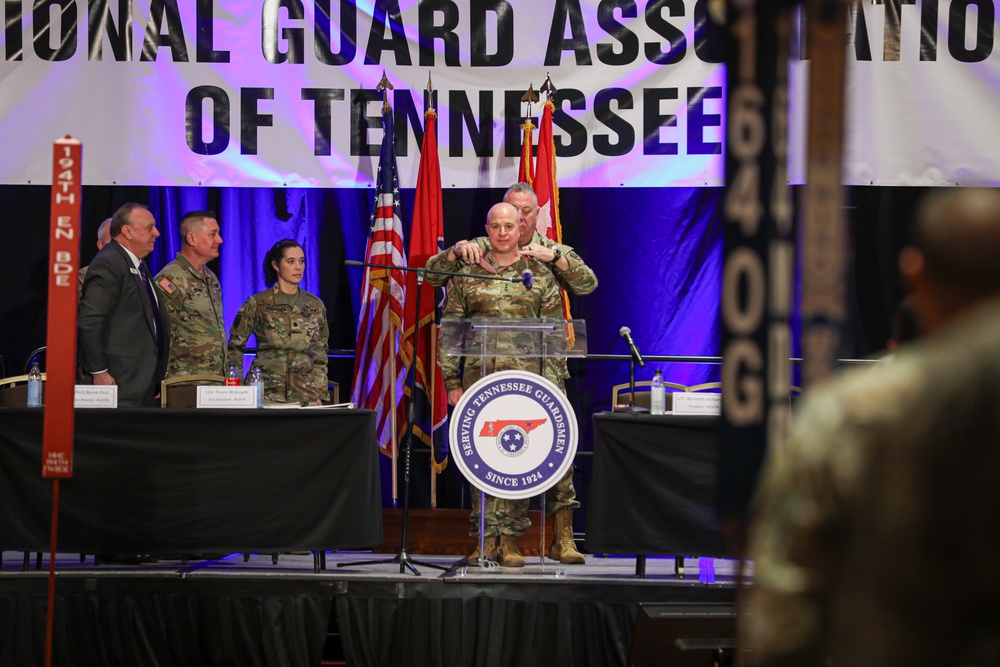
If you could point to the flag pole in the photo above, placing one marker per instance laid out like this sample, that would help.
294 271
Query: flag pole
392 424
434 474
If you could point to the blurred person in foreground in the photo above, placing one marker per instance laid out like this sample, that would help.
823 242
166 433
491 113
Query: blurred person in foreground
889 478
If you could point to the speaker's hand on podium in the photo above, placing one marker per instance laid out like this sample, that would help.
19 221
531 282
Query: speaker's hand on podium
455 395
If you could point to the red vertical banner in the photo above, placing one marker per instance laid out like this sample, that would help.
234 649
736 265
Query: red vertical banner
60 356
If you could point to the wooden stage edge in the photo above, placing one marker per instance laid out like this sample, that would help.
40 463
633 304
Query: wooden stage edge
446 532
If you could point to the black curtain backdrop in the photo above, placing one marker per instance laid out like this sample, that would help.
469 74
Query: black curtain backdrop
656 252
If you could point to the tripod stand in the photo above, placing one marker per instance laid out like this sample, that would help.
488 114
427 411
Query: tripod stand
403 557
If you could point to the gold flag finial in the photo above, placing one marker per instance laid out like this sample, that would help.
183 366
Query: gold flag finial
430 86
530 95
384 83
385 87
529 98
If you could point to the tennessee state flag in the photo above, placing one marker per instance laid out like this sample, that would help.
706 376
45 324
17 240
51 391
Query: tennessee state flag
430 401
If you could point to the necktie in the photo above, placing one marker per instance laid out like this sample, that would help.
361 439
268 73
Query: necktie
144 274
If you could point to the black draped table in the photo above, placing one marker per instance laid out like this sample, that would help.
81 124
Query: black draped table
173 481
653 488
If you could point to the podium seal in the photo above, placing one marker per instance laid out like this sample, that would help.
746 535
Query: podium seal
513 434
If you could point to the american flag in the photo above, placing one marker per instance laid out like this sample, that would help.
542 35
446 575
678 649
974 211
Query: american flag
379 371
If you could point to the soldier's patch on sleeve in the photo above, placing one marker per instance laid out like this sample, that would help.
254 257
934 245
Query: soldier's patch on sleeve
167 286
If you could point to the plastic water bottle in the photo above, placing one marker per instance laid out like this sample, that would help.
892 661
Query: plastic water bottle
34 386
658 398
232 376
257 383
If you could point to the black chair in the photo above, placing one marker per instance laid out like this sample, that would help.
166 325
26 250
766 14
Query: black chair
37 355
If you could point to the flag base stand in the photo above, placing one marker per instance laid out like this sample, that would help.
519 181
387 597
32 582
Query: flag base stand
403 557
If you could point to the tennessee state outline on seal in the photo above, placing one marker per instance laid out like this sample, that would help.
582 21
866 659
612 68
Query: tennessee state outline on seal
513 434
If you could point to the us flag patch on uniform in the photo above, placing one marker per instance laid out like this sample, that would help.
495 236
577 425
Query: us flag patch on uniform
167 286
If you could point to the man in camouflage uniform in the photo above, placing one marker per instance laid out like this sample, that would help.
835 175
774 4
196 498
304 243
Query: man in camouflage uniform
572 275
891 472
103 239
193 299
472 297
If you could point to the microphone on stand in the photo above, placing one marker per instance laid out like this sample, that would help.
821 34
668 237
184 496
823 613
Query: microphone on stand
526 279
626 333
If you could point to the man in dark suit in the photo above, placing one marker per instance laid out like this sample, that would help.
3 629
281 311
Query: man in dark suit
124 331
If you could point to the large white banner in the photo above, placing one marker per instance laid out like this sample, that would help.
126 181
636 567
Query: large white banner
923 94
282 92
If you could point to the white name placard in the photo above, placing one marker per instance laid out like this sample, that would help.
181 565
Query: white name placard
227 397
697 404
95 396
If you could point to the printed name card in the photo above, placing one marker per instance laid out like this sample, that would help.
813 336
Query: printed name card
95 396
227 397
697 403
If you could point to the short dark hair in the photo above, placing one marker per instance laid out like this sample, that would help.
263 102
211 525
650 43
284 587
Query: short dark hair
189 219
958 233
122 217
276 254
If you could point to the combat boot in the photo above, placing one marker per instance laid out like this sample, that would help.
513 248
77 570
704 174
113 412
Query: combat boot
509 552
563 547
490 544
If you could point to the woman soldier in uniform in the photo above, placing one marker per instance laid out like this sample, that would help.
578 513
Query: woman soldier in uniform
291 329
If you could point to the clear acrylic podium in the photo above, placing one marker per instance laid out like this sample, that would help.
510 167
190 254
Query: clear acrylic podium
512 344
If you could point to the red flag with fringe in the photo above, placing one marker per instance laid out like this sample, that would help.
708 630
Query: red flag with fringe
430 406
547 188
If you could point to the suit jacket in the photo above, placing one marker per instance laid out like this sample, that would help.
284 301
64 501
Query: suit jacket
116 330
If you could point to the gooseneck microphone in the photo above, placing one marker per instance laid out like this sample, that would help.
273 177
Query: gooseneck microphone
527 279
626 333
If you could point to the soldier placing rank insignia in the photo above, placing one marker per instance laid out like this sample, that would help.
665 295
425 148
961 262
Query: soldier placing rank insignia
291 329
572 274
192 297
506 519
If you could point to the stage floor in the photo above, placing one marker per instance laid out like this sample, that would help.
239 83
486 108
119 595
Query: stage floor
356 614
347 565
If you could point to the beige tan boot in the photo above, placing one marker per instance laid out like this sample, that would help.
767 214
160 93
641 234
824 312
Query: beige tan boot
490 544
509 551
563 547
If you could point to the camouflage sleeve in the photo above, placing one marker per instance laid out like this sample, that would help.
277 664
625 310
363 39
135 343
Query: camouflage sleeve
551 307
321 377
440 262
451 367
579 279
170 293
242 329
793 541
